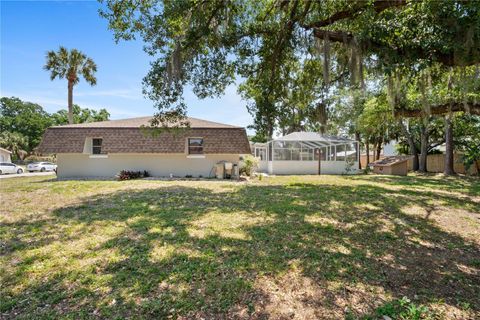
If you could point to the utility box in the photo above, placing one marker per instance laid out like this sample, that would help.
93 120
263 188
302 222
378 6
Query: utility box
224 170
220 170
396 165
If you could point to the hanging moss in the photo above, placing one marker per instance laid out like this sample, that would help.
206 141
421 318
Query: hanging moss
326 61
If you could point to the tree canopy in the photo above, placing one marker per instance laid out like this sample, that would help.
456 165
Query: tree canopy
80 115
71 65
22 123
208 44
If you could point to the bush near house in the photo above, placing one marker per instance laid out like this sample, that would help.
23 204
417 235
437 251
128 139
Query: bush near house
128 175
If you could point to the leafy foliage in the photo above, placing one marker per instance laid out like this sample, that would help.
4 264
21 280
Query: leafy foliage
23 118
249 165
22 124
128 175
70 65
273 44
467 139
404 309
14 142
80 115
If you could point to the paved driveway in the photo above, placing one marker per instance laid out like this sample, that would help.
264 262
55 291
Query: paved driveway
26 174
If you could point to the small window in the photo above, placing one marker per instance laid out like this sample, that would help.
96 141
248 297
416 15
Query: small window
195 145
96 146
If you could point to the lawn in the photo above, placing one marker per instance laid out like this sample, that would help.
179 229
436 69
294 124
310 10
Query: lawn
311 247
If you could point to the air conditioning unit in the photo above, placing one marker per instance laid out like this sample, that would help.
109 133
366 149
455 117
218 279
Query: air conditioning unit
224 170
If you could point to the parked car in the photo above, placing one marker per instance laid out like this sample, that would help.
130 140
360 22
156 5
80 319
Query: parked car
7 167
41 166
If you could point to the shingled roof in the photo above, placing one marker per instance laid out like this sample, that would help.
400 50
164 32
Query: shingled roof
128 136
143 121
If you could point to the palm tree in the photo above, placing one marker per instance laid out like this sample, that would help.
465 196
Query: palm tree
70 65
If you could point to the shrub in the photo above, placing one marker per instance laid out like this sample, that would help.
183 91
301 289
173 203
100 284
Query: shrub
349 166
404 309
249 165
128 175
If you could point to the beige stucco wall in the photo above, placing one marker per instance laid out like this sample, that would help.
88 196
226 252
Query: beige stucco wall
158 165
5 156
399 169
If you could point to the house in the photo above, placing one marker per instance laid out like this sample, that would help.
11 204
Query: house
394 165
102 149
307 153
5 155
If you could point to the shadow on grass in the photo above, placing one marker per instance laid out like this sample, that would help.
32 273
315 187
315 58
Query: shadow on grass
435 182
193 252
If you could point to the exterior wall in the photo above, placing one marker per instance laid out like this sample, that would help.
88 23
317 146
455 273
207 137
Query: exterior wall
5 156
398 169
337 167
262 166
158 165
308 167
294 167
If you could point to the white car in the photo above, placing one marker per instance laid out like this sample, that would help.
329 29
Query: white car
7 167
41 166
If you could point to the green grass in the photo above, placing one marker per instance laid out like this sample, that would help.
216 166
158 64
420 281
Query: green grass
285 247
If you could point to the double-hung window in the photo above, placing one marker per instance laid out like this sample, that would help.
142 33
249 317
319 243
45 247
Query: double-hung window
96 146
195 145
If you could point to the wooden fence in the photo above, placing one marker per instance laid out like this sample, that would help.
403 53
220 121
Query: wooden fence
435 163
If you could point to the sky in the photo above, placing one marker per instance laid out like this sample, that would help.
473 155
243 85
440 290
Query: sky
29 29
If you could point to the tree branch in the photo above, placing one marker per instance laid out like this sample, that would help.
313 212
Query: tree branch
446 58
378 6
473 108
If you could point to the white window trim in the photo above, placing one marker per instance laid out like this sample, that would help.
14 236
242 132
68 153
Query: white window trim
202 155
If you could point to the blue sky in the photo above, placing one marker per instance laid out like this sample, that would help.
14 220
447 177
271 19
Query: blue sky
30 29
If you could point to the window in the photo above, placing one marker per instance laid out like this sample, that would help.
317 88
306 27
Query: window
195 145
96 146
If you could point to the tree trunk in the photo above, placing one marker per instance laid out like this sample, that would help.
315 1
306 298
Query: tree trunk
448 146
412 148
423 149
367 148
358 139
70 101
379 149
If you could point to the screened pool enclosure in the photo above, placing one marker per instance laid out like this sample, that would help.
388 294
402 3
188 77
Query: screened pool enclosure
307 153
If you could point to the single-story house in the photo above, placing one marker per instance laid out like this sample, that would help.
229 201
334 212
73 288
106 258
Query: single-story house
307 153
102 149
5 155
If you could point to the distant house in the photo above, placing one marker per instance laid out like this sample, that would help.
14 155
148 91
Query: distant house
102 149
307 153
5 155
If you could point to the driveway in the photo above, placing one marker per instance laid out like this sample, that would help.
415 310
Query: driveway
26 174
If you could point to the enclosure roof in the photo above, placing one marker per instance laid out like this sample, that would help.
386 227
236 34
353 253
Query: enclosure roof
313 137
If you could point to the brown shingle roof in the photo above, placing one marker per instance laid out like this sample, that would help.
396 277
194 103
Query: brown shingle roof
126 136
143 121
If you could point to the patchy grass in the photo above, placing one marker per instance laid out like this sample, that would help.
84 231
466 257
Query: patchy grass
285 247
